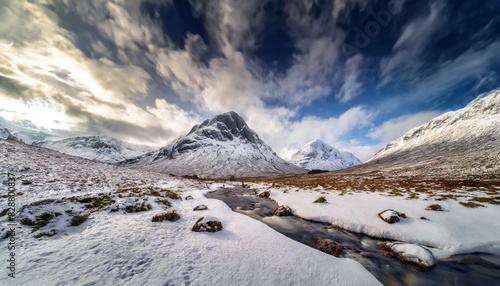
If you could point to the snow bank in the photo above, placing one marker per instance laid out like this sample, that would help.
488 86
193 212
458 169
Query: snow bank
413 253
457 230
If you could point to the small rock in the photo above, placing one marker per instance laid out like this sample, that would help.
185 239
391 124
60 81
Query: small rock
264 195
282 211
424 218
391 216
208 224
329 246
410 253
200 208
189 198
27 182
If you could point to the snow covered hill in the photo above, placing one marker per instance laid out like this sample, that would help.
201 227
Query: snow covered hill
317 155
220 147
98 148
463 143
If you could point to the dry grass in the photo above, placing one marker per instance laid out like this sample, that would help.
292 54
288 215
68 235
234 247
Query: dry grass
471 205
435 207
391 185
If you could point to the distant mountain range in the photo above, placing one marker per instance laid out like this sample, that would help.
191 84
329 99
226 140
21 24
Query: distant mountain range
220 147
98 148
463 143
317 155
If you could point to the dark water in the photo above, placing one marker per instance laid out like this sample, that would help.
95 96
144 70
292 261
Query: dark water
470 269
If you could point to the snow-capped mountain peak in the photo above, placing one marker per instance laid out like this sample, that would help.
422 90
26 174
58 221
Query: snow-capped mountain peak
5 134
220 147
321 156
228 125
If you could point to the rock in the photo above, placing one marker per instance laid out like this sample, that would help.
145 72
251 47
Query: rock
391 216
208 224
200 208
264 195
329 246
26 182
408 252
189 198
282 211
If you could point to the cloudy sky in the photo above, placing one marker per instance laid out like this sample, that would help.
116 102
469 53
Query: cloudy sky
354 73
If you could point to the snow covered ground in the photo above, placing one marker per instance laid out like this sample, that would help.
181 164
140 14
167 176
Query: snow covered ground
119 248
457 229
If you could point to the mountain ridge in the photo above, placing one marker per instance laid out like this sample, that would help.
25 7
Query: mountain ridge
461 144
95 147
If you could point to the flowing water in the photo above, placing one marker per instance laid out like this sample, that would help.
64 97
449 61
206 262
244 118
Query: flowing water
470 269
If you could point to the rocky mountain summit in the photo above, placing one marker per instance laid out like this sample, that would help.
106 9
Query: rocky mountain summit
220 147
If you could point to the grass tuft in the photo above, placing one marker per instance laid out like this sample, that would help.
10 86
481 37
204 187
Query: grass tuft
78 220
138 208
435 207
171 216
320 200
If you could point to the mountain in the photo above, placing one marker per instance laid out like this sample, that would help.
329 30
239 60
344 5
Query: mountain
31 136
98 148
5 134
463 143
220 147
317 155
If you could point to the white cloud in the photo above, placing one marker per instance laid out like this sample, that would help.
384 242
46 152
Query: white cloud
352 86
397 127
47 74
411 44
293 135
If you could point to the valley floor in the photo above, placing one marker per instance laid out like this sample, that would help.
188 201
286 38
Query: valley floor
85 223
118 244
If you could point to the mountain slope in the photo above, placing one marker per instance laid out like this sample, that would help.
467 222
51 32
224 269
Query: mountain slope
463 143
317 155
220 147
98 148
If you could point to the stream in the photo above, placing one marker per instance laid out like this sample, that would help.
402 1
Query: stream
467 269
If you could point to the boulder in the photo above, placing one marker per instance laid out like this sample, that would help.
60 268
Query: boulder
208 224
282 211
189 198
329 246
200 208
408 252
391 216
264 195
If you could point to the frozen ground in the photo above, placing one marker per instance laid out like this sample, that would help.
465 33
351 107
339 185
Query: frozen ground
119 248
457 229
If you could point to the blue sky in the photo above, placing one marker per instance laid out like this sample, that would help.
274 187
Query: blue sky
354 73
